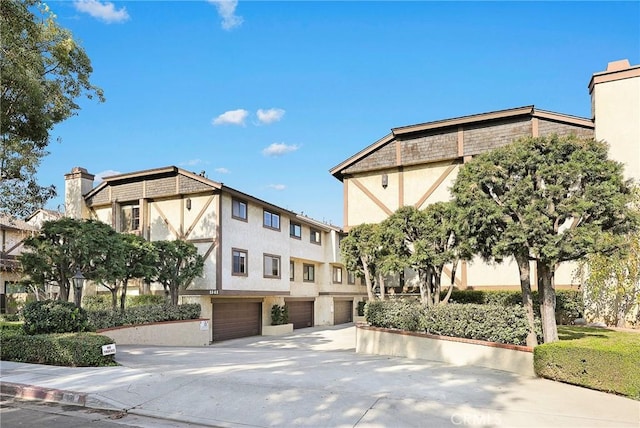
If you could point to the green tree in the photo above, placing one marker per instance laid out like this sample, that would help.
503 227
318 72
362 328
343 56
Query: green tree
612 281
425 241
64 247
140 262
43 71
360 251
178 264
549 199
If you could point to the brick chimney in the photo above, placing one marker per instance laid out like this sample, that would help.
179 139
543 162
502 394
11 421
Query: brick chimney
77 184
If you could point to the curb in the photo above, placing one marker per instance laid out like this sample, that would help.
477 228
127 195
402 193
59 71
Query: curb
28 392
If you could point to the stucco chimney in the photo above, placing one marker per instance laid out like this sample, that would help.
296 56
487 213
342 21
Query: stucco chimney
77 184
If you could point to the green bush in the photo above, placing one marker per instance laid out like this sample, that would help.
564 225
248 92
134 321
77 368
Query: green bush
10 317
279 315
10 325
71 349
493 323
53 316
103 301
404 314
600 359
569 303
360 309
145 300
97 302
143 315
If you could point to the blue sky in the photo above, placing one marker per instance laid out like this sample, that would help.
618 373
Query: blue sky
266 97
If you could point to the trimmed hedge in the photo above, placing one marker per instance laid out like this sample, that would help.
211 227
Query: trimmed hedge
600 359
490 322
103 301
569 303
143 315
54 316
71 349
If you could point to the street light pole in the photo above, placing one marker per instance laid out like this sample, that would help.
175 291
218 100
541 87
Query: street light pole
78 283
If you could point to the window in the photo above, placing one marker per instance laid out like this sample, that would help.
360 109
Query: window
315 236
292 270
129 218
271 266
308 273
351 278
295 230
239 209
337 275
271 220
239 262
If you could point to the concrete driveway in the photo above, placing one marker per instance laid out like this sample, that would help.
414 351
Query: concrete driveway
314 378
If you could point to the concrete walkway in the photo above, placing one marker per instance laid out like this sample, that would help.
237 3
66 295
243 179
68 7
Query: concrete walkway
314 378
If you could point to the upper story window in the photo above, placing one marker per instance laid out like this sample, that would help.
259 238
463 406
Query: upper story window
239 209
315 236
295 230
337 275
292 270
351 278
271 266
129 218
308 273
239 262
271 220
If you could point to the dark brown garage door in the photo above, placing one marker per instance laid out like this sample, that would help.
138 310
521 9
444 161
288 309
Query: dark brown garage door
342 311
300 313
232 320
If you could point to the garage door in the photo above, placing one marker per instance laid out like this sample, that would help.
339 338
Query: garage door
300 313
342 311
232 320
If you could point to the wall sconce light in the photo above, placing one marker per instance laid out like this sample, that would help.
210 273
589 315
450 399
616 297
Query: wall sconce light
385 181
189 203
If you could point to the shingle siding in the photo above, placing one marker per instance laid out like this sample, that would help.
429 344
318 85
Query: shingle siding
159 187
127 192
189 185
427 148
484 137
385 157
548 127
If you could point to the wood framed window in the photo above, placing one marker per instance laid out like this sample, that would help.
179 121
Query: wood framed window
129 218
316 236
239 209
337 275
271 220
271 266
239 262
351 278
308 273
295 230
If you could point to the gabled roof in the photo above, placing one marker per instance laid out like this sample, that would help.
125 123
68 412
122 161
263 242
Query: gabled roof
11 223
174 170
438 125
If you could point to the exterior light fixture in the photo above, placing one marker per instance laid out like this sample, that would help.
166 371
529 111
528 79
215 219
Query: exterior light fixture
385 181
78 283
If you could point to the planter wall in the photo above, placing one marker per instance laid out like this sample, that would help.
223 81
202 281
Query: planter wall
168 333
277 330
450 350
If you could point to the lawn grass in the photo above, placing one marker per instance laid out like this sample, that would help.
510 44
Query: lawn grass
597 358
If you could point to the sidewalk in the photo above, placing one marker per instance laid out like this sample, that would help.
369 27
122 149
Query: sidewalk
313 378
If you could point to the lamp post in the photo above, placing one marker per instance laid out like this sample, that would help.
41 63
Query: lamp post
78 283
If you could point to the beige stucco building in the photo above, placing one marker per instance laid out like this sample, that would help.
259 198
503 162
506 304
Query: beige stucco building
256 253
417 164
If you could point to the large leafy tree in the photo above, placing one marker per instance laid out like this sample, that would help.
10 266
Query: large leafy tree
547 199
425 241
178 264
360 251
43 71
64 247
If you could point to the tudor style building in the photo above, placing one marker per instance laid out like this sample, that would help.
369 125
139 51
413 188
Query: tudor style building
256 253
417 164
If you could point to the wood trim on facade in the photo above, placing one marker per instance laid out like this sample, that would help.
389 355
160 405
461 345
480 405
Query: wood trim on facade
435 186
371 196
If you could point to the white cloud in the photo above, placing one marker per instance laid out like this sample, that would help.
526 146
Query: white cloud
192 162
107 173
104 11
277 149
277 186
227 10
270 116
222 171
231 117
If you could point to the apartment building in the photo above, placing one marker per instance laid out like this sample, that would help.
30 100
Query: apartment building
256 254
